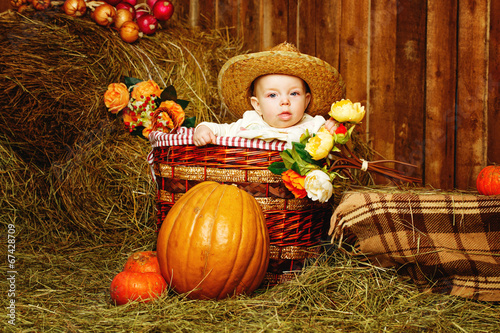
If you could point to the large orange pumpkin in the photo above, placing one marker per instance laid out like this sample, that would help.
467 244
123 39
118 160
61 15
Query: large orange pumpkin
214 243
488 180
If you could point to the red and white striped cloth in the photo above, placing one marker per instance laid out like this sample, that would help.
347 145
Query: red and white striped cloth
184 136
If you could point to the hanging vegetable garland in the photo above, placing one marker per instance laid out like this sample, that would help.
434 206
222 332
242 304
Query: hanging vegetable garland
146 17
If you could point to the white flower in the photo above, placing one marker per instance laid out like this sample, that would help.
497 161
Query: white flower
318 186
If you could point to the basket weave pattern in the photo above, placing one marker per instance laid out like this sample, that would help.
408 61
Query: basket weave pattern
295 225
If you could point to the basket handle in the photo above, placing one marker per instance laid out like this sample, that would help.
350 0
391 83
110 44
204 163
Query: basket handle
154 119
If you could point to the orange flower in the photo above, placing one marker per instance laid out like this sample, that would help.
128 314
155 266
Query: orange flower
116 97
295 183
145 89
171 114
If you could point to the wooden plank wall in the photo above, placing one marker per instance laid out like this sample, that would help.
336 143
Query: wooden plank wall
428 72
4 5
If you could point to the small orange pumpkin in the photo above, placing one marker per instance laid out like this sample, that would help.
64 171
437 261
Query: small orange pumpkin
488 180
214 243
143 262
130 286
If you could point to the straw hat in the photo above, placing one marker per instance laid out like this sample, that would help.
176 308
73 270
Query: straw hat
238 73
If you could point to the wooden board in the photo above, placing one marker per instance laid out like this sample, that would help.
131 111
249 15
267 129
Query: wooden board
275 23
249 24
326 23
440 94
410 85
353 51
472 91
494 85
382 79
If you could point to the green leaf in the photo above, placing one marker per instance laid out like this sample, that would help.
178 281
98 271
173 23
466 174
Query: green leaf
169 94
277 168
300 148
189 122
131 81
137 131
157 102
295 167
300 166
305 137
182 103
287 158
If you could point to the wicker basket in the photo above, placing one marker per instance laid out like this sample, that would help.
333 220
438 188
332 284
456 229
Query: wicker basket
295 225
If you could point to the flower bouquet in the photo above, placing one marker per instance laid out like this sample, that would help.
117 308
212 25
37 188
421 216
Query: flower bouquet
310 167
146 106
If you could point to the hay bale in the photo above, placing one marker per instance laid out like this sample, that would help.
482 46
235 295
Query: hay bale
68 165
54 70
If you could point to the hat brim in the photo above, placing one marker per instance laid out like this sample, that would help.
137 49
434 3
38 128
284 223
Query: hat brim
236 76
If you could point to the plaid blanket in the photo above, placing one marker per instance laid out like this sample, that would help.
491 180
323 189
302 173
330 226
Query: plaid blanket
446 243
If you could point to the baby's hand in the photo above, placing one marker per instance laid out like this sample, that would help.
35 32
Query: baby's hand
203 136
331 125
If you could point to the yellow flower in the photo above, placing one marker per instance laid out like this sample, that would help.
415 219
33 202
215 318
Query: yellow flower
346 111
320 145
116 97
145 89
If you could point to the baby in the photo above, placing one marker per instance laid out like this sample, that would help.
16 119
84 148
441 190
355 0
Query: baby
271 92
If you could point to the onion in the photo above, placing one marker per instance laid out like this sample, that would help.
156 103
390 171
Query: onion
163 10
22 8
127 6
129 32
75 8
104 14
122 16
17 3
147 24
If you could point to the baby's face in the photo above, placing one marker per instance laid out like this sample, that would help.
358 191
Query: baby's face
281 100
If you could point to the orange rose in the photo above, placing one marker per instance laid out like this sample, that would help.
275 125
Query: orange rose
145 89
116 97
171 114
295 183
